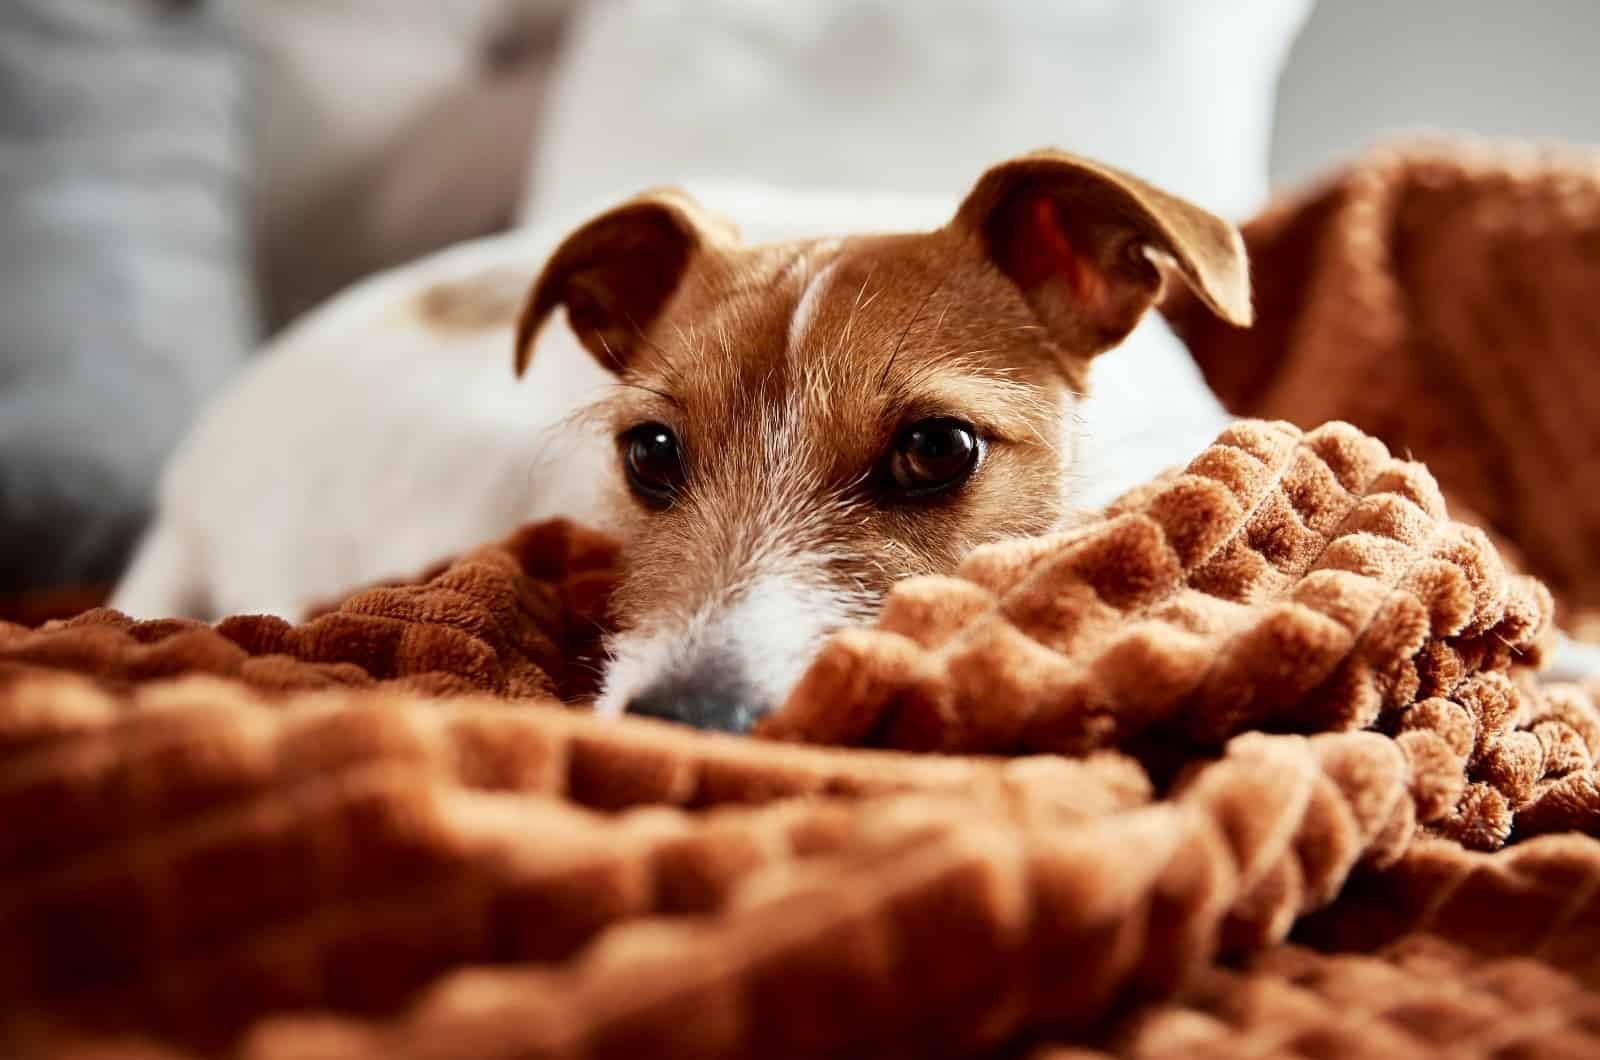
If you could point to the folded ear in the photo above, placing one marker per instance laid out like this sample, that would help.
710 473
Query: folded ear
1079 238
616 273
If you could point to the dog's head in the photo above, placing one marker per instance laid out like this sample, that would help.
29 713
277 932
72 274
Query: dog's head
800 425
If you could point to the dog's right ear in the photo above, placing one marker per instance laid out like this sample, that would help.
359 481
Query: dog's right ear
1081 239
617 273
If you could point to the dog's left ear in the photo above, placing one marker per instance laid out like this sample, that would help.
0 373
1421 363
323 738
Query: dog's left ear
617 272
1078 237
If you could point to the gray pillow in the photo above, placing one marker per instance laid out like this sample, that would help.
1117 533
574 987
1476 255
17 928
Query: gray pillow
124 293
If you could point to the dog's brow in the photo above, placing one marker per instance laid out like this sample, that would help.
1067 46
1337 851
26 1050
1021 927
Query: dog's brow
627 404
662 394
1005 407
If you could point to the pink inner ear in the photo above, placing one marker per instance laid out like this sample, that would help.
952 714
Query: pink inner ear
1044 254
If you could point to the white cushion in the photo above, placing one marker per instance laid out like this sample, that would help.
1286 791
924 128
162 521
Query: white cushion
912 97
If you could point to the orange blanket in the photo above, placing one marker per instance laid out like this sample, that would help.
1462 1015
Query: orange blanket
1254 764
1444 299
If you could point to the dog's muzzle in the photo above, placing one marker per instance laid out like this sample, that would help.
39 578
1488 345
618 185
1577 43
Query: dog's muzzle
712 695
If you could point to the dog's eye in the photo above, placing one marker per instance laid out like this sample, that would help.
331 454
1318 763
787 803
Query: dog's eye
931 455
653 464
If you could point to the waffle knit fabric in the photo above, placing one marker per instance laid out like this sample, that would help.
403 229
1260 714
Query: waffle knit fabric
1441 297
1253 763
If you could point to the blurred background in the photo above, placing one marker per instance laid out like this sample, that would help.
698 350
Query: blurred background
1363 69
181 179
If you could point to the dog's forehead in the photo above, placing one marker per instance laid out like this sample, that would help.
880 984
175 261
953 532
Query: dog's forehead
812 282
843 319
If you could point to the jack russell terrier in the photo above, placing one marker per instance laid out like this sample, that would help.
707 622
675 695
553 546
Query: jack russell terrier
777 429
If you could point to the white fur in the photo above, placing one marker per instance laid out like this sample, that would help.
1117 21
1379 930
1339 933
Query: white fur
773 628
1148 409
363 442
805 309
1573 661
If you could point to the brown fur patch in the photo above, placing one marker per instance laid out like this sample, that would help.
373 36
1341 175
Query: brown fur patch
486 300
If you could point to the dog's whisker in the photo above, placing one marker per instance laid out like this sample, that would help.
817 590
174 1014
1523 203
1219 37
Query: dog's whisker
850 321
646 339
611 355
901 341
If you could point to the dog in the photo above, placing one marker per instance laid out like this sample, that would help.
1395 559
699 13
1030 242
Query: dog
778 429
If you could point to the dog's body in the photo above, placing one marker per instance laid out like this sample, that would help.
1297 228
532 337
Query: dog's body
375 436
383 431
780 377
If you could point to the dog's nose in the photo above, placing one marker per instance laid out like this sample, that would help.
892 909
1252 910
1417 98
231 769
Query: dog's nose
712 696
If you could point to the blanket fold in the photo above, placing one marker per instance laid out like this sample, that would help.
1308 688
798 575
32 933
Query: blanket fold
1257 761
521 618
1440 296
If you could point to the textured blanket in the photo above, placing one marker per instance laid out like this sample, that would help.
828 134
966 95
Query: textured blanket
1255 763
1442 297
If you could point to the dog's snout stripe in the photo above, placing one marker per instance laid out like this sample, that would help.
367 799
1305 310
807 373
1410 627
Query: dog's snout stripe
805 310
